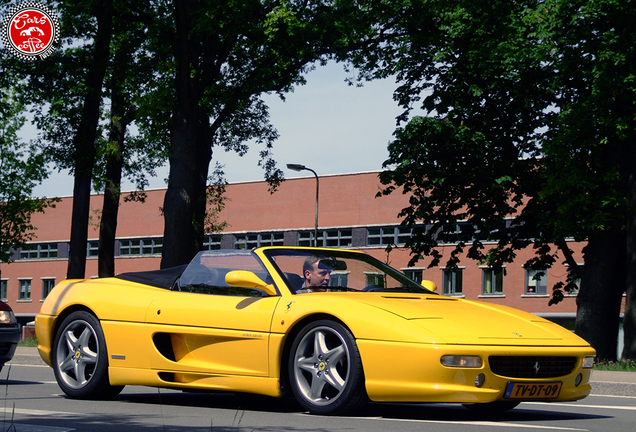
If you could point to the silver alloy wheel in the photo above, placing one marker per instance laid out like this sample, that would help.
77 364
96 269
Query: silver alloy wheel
321 365
76 354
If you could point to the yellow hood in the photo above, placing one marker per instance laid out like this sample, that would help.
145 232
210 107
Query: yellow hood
459 321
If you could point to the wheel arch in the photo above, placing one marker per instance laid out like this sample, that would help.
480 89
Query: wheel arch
289 340
62 316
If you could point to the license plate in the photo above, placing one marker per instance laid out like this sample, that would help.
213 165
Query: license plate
544 390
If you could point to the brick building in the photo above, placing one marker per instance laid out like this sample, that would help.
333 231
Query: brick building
350 216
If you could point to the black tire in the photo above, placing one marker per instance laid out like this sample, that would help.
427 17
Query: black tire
492 407
80 358
325 369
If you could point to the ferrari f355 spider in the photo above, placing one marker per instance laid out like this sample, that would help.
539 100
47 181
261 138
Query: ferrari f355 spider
332 328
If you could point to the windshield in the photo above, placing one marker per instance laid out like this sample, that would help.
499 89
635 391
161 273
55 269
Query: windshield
325 270
206 273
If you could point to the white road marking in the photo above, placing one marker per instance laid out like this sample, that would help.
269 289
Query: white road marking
31 412
626 408
614 396
468 423
27 365
490 424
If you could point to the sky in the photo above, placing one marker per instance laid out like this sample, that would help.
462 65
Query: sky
326 125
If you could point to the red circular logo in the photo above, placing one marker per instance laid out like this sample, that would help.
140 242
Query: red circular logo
31 31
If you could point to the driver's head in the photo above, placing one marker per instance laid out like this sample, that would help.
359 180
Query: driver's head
316 274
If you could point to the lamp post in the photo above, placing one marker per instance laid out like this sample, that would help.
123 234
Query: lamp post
298 167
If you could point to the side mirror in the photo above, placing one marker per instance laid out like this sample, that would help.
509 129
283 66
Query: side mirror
247 279
429 285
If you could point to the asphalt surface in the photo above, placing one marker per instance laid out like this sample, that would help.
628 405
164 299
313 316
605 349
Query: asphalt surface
41 407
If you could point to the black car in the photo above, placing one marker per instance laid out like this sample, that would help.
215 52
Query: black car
9 333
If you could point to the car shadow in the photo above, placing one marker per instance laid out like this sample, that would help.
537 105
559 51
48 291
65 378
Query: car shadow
401 411
221 400
5 382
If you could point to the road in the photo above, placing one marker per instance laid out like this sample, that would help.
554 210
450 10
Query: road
32 401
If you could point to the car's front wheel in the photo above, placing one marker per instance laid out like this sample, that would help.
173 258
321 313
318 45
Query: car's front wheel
325 369
80 359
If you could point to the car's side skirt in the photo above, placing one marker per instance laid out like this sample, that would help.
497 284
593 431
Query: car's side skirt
179 380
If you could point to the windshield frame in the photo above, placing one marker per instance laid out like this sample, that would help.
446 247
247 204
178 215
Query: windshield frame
407 284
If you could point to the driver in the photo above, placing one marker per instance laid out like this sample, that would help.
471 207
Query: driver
316 275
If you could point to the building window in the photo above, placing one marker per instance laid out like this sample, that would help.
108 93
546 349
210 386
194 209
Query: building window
251 241
575 281
306 238
25 289
452 282
536 282
3 290
454 232
415 274
47 286
38 251
327 238
382 236
245 241
339 278
492 282
212 242
148 246
271 239
376 280
92 248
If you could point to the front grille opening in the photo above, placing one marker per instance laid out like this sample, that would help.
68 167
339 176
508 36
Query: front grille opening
531 366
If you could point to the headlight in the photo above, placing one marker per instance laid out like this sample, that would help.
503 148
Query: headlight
588 362
7 318
461 361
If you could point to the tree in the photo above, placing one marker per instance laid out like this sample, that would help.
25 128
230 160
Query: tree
130 69
529 140
21 169
225 56
85 137
64 92
101 69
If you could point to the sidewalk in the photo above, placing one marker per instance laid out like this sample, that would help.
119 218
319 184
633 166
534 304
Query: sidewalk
27 356
614 377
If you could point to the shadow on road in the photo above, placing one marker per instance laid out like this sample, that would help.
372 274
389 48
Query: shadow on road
435 412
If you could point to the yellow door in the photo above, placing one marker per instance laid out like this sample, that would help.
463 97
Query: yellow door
212 334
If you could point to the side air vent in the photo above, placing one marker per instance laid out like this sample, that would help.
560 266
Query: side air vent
164 345
166 376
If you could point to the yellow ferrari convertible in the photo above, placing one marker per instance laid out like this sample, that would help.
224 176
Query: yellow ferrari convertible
332 328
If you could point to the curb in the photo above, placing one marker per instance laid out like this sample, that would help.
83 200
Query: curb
27 356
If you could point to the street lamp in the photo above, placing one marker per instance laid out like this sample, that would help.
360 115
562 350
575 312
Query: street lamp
298 167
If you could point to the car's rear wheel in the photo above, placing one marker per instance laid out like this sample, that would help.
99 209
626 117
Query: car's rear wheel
80 359
325 369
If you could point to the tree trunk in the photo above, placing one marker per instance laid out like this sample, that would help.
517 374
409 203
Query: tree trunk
602 285
629 320
190 155
112 191
84 142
